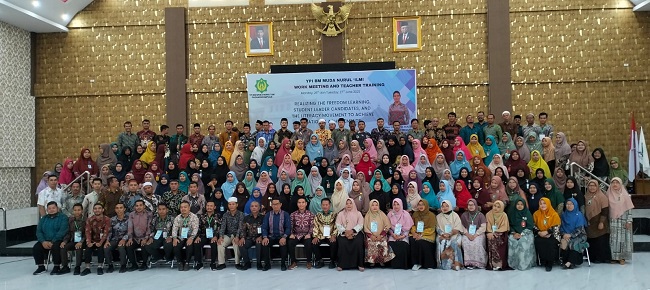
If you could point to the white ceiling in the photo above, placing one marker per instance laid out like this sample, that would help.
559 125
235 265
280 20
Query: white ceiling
641 5
41 16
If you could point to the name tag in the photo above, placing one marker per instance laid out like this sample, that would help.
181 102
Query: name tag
541 136
494 228
259 230
164 235
523 224
221 208
158 234
77 236
447 229
209 233
184 232
90 166
420 227
101 236
373 227
544 222
398 229
472 229
326 231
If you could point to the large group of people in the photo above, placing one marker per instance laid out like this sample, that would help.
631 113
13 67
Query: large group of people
480 196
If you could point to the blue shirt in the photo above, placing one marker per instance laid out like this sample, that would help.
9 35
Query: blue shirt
52 228
276 234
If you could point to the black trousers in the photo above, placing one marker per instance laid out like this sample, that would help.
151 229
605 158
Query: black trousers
266 251
248 244
108 253
78 253
40 253
178 251
198 250
130 252
152 249
333 249
292 248
88 253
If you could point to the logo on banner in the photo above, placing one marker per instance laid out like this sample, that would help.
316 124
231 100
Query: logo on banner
261 85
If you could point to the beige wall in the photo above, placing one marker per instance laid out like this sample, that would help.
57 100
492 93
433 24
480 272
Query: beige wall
120 45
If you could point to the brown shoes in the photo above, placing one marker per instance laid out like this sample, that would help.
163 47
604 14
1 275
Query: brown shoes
308 265
293 266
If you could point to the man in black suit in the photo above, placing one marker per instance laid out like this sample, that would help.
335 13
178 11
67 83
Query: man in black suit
261 41
405 36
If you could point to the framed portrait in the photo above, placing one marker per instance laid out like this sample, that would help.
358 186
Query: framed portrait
407 34
259 38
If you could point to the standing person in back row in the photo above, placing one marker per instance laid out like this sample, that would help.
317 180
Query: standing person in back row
196 138
127 138
229 134
340 133
452 130
145 135
508 126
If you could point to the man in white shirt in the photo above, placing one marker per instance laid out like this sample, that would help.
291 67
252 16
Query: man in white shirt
91 198
50 193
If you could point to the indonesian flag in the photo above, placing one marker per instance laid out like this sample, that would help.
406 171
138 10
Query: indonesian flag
642 150
633 161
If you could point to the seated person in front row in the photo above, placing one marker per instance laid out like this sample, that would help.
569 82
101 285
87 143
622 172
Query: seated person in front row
50 232
138 232
97 233
325 232
74 240
231 222
116 237
160 236
208 227
349 223
251 235
302 226
276 228
184 231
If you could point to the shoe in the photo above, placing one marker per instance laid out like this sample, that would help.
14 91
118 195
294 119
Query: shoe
416 267
457 268
283 267
549 268
213 266
110 268
247 265
266 268
259 267
622 262
198 266
85 272
181 267
339 269
134 267
319 264
332 265
40 270
239 267
143 267
100 271
293 266
496 269
361 269
55 270
221 266
186 267
77 271
309 265
469 268
123 269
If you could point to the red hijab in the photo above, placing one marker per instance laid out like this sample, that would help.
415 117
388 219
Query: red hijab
186 155
462 196
138 174
85 164
367 167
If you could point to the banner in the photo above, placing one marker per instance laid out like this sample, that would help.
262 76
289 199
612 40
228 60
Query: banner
356 95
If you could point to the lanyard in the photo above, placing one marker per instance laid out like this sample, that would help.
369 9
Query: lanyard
161 223
210 221
185 220
473 217
75 225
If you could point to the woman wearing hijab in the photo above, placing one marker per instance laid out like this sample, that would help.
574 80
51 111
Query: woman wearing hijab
412 196
440 164
513 191
163 186
365 186
287 166
620 221
85 163
386 168
496 191
238 150
104 173
497 234
498 162
507 145
138 171
581 157
615 170
366 165
398 240
431 177
346 178
573 190
330 152
215 152
533 143
381 151
430 196
539 178
396 191
328 181
249 181
186 156
242 194
264 182
239 167
422 165
118 172
473 236
548 152
412 176
547 233
301 180
349 223
220 203
314 147
259 150
370 150
380 195
490 148
228 150
377 226
560 178
449 229
339 196
462 196
149 154
221 170
395 151
555 197
480 194
562 150
476 165
406 147
475 148
106 156
346 163
157 170
360 198
459 145
404 165
522 149
314 179
315 202
184 182
417 151
537 162
447 150
304 163
433 150
521 241
298 151
378 176
67 174
514 163
255 197
423 237
269 167
574 236
459 163
228 187
601 166
446 193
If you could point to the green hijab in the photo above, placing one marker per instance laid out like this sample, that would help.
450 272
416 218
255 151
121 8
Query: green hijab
304 183
509 145
250 184
314 203
618 172
516 217
554 195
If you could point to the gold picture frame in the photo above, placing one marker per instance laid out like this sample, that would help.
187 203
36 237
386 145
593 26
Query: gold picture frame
259 38
411 38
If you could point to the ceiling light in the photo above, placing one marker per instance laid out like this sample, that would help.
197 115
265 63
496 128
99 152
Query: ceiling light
36 4
65 17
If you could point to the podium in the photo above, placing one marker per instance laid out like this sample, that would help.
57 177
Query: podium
642 186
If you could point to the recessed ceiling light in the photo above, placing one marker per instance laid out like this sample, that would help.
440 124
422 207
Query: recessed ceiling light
65 17
36 4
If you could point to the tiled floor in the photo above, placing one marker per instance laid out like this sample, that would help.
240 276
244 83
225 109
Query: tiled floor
16 273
